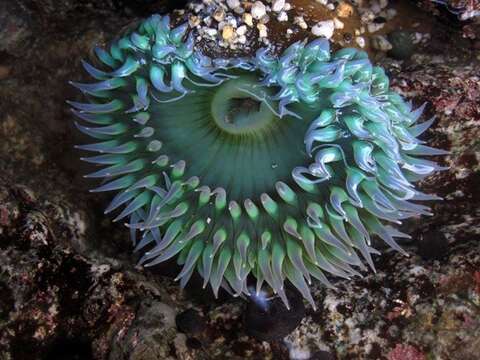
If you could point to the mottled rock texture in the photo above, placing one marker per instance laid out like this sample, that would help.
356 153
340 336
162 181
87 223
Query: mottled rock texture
68 285
463 9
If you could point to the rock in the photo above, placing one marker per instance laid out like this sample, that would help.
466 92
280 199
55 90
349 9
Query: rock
258 10
402 44
432 245
278 5
219 14
282 16
276 321
241 30
193 21
141 331
264 19
344 10
360 40
190 322
338 24
374 27
380 43
239 10
228 32
233 4
262 30
404 351
324 28
248 19
211 32
193 343
463 10
347 37
298 20
16 26
68 304
322 355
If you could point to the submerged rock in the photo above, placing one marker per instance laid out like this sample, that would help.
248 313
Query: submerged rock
274 321
402 46
190 322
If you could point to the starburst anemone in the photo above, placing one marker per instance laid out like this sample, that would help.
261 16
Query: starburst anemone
279 169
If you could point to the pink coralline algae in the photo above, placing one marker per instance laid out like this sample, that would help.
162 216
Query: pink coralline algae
405 352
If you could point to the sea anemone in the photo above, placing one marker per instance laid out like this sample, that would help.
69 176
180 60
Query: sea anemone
281 168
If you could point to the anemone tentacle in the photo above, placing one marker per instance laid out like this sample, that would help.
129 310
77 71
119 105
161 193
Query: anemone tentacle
281 168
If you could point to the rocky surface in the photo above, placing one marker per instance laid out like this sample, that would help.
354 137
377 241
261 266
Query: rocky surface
464 14
68 285
463 9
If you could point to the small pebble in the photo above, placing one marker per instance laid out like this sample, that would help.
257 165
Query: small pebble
239 10
375 7
262 30
227 32
265 19
374 27
367 17
298 20
390 14
219 14
194 21
241 30
383 3
417 37
232 22
248 19
338 23
211 32
277 5
232 4
324 28
347 37
258 10
282 16
344 10
360 41
197 7
380 43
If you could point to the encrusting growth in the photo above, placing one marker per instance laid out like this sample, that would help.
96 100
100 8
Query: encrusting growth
278 167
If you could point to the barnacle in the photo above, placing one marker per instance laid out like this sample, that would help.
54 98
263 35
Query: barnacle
282 168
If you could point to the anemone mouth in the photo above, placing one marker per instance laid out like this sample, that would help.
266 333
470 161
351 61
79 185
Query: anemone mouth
281 168
230 138
238 112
